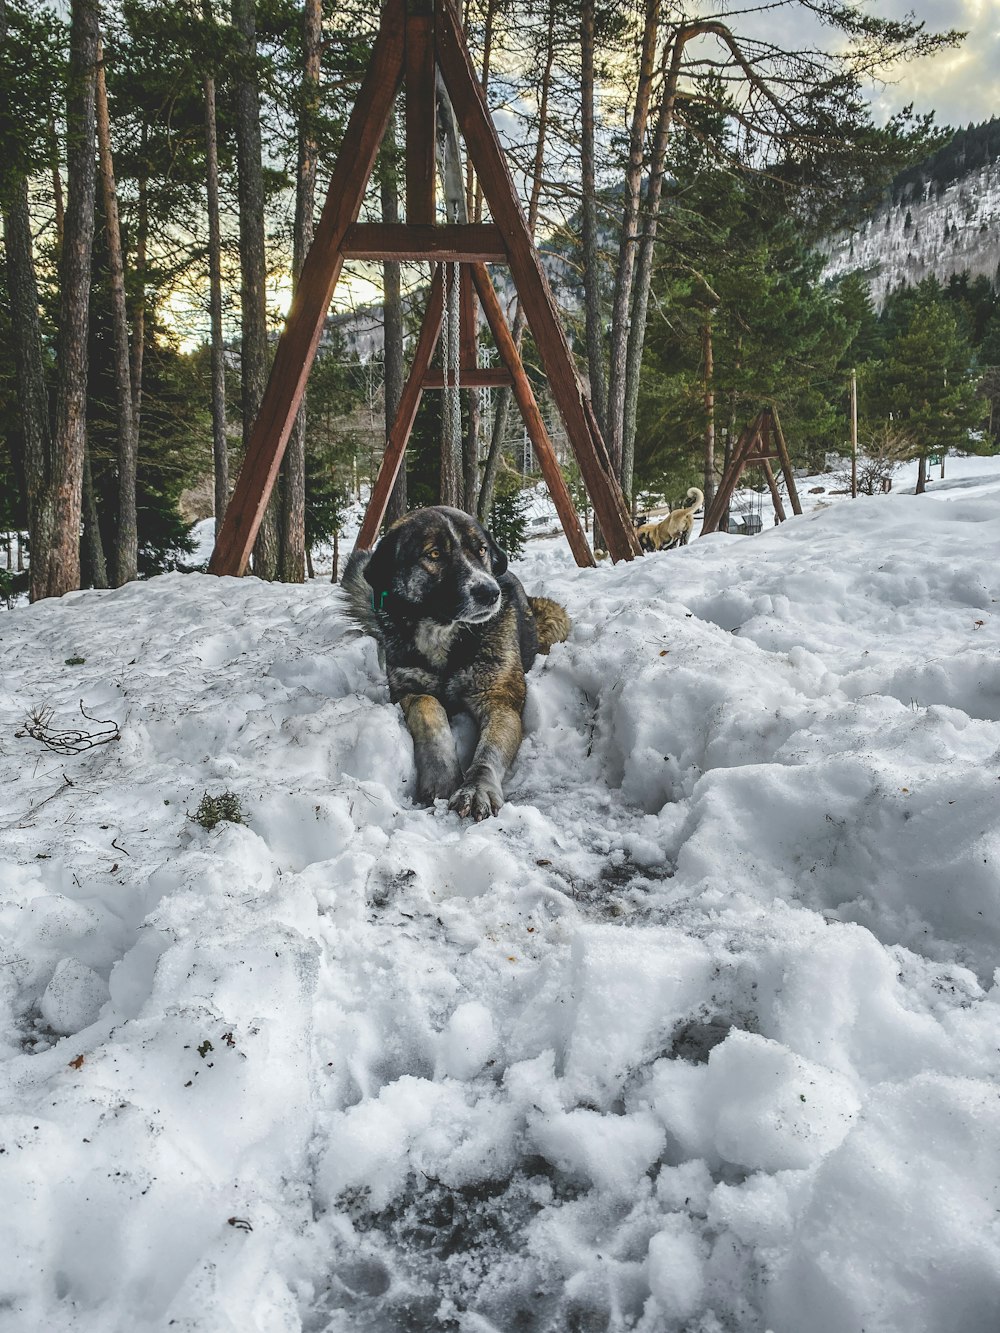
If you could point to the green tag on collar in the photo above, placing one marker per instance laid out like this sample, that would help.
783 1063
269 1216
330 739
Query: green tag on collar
380 604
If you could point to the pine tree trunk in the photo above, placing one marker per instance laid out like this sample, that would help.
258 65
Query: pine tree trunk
96 568
451 489
621 312
57 189
644 263
60 560
126 561
591 259
392 313
922 475
504 398
253 269
709 402
139 294
293 466
36 463
220 447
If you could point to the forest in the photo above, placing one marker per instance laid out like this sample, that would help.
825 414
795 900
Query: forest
162 168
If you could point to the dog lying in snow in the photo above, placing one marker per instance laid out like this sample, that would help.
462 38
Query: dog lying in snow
675 529
456 632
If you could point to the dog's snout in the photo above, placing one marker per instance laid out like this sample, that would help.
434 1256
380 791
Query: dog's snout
484 594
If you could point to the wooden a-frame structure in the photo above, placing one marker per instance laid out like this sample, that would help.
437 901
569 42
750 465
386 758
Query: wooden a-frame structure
760 444
416 40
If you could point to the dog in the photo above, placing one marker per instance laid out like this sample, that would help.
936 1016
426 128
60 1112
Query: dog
675 529
456 633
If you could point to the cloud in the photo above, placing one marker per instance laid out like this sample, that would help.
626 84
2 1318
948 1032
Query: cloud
962 84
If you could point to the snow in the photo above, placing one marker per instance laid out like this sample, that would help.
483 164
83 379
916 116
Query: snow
699 1034
888 252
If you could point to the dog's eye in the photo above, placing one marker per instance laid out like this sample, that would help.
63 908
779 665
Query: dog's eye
482 548
434 554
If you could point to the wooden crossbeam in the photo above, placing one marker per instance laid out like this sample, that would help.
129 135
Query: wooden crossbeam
409 401
297 345
480 242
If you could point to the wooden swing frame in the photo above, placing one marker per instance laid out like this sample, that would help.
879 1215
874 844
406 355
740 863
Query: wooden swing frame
416 39
760 444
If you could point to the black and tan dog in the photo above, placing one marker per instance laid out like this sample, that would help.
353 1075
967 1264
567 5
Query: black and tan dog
457 633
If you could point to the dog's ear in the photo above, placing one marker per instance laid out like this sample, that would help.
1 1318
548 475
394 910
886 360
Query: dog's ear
498 558
381 567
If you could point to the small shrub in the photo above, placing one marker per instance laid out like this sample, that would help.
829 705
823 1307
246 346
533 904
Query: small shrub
508 519
214 809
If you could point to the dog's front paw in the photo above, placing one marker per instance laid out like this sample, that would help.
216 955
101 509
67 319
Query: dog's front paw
437 782
478 799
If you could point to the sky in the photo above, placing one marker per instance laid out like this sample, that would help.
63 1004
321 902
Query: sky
961 85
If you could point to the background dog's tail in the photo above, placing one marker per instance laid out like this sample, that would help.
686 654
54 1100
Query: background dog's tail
358 592
700 497
551 622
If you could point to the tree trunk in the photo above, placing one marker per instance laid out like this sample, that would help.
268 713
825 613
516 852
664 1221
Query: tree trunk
392 313
450 163
505 396
36 465
126 561
96 569
293 466
709 401
220 446
60 559
629 240
253 269
591 261
476 199
922 475
673 53
57 189
139 293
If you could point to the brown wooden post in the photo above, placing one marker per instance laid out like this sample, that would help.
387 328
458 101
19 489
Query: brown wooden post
395 447
779 508
786 463
545 453
533 288
297 345
420 112
468 326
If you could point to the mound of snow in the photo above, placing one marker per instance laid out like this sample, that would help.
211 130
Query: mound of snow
700 1033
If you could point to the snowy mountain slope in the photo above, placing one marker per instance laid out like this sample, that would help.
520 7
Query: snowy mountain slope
954 232
700 1033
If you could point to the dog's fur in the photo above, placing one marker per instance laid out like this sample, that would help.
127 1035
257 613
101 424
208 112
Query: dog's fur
675 529
456 633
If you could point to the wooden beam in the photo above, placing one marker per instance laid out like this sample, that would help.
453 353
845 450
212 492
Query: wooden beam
779 508
409 401
544 451
786 463
458 241
486 377
297 345
421 113
532 285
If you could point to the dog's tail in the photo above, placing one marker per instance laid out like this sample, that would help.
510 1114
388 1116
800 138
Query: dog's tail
551 622
699 501
358 593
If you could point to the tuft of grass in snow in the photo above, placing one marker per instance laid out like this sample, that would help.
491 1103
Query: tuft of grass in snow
214 809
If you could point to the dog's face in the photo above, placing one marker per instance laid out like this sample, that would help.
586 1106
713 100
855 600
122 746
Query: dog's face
441 564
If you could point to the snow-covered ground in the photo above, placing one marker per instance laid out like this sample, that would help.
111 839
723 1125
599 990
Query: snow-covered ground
701 1033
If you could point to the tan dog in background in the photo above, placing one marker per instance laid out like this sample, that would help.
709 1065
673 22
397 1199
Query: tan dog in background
675 529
